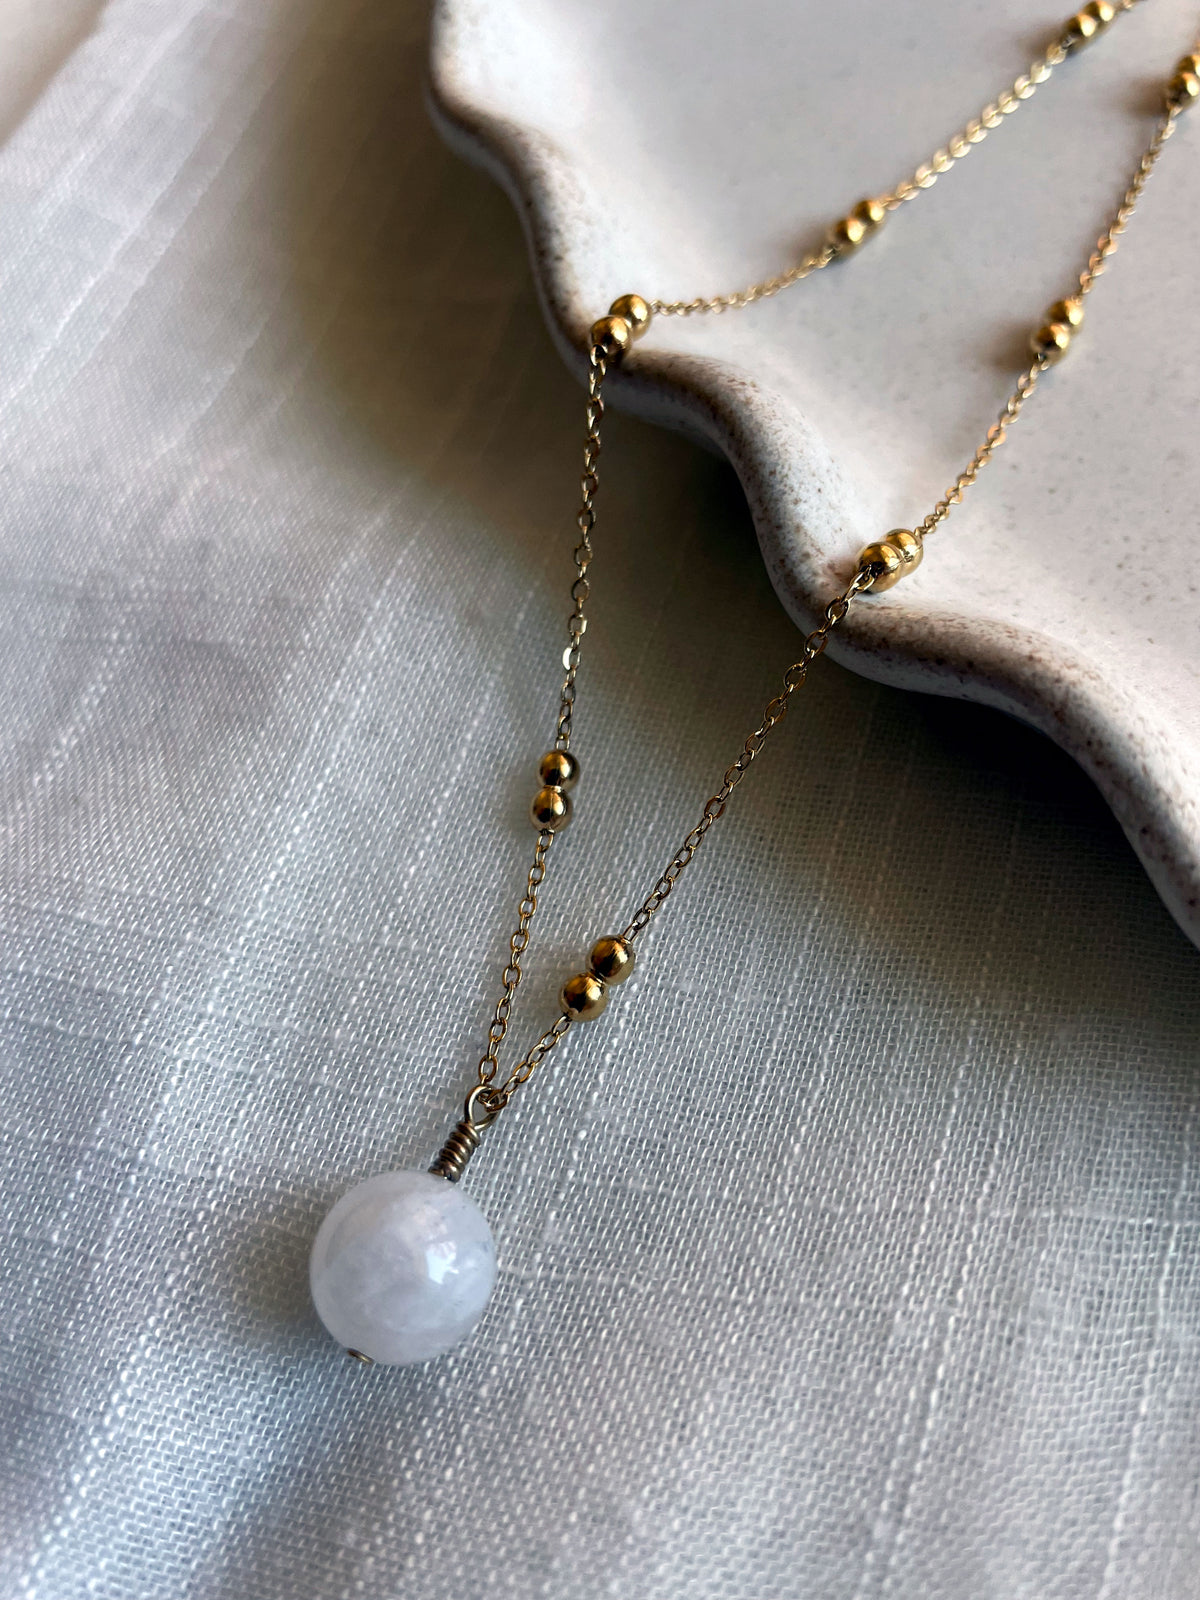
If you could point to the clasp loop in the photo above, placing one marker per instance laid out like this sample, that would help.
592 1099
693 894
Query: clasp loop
483 1105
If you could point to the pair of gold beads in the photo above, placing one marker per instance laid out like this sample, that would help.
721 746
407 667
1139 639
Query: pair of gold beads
891 558
1184 88
558 773
627 319
1062 322
1086 24
584 996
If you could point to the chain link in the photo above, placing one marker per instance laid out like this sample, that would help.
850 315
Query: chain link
531 1060
977 130
1107 242
996 435
589 484
489 1064
745 297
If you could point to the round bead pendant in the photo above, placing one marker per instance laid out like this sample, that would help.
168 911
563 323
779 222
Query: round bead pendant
402 1267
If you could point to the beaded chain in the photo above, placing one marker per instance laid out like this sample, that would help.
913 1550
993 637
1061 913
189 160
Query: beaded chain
878 567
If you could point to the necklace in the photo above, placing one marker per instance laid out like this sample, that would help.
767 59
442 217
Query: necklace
403 1265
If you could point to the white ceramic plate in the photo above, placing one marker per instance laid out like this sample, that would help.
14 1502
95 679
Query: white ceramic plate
679 150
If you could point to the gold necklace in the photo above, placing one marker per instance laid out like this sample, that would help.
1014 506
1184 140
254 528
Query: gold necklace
403 1265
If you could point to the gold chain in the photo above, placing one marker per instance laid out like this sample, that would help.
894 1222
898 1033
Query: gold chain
977 130
878 566
845 236
1027 382
589 484
714 806
1107 242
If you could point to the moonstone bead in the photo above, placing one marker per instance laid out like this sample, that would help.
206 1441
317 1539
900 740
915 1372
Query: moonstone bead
402 1267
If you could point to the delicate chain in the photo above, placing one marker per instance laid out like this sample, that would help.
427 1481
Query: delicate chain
714 810
714 806
878 565
744 297
532 1059
1107 242
977 130
1027 382
489 1064
996 435
589 483
926 175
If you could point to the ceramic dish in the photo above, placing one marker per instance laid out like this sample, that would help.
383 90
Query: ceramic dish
677 151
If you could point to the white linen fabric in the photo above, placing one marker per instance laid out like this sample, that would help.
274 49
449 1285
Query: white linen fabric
853 1254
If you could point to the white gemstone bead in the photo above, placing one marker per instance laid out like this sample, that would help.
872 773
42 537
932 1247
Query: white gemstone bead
402 1267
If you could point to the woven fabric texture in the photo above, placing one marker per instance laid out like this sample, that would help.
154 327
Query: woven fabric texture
853 1255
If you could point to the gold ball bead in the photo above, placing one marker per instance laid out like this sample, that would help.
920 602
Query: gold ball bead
631 308
1086 24
1051 341
1068 311
611 959
558 769
551 809
1189 64
910 545
611 334
1183 90
871 213
884 563
845 236
1079 29
583 997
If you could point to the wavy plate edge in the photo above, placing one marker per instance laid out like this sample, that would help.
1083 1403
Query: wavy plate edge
1026 674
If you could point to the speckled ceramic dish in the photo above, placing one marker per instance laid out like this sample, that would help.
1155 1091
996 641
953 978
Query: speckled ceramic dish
682 150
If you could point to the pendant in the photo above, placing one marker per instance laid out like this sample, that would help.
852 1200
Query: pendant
404 1263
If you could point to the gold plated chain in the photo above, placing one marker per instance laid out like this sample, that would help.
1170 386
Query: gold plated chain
868 216
1065 317
878 567
558 769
